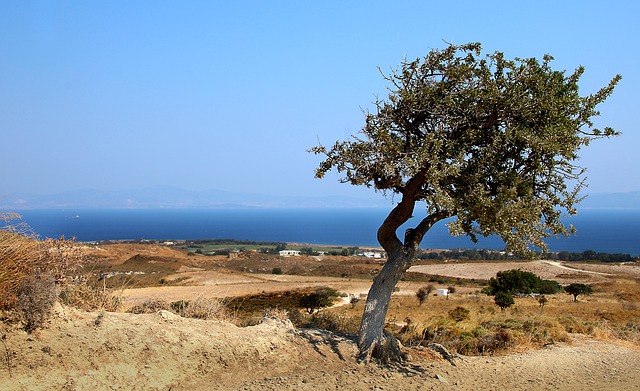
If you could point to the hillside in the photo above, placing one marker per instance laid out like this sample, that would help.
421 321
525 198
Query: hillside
92 350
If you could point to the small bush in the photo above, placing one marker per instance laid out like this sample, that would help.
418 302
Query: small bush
276 270
503 300
90 298
205 308
36 297
322 297
332 322
459 314
150 306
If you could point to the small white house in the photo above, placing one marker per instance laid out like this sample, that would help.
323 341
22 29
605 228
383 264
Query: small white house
289 253
442 292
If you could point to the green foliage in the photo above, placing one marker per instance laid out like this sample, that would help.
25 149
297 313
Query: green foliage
578 289
489 141
549 287
459 314
322 297
504 300
276 270
307 251
423 293
590 255
517 281
450 291
467 254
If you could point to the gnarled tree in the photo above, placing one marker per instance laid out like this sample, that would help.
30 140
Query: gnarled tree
487 141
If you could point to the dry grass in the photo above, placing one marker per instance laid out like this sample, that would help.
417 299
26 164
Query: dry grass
472 324
200 308
33 271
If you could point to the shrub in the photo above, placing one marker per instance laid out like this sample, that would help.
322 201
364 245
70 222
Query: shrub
276 270
36 297
503 300
25 260
423 293
332 322
314 301
205 308
90 298
459 314
150 306
322 297
516 281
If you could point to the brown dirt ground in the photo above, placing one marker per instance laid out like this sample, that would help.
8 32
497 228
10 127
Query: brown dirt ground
102 351
81 350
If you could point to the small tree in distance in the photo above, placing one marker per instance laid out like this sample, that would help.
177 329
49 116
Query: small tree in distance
487 141
450 290
423 293
578 289
503 300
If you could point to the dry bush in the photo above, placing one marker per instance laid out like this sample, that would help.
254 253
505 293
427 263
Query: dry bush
206 308
332 322
199 308
90 298
150 306
23 256
18 252
36 297
276 313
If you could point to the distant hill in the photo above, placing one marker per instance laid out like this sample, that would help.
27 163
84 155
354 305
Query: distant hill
172 197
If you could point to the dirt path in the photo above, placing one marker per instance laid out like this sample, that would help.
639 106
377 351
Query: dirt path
102 351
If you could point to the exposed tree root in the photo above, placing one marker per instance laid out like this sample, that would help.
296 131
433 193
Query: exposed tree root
386 351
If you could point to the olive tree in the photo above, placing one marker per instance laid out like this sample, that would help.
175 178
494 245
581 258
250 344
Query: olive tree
489 142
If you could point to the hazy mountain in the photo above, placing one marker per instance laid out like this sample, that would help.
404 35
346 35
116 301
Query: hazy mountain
172 197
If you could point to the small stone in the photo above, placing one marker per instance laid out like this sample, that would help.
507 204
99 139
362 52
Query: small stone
442 379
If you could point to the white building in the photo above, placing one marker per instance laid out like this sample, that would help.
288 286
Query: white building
289 253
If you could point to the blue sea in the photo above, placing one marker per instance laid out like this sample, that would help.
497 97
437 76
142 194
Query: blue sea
611 231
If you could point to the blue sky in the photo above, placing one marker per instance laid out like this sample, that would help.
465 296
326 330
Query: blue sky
230 95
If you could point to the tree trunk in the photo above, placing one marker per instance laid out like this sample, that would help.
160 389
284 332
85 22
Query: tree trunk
373 341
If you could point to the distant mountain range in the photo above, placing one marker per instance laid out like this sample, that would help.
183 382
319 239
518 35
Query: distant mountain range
172 197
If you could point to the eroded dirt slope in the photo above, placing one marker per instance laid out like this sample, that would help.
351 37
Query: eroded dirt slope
93 350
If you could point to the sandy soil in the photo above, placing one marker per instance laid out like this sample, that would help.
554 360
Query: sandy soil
102 351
